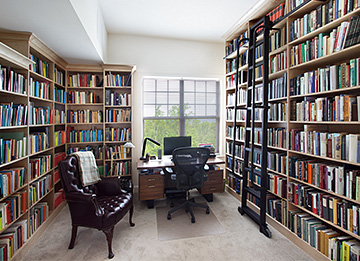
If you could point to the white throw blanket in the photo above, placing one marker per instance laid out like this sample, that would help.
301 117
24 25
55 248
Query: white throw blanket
89 173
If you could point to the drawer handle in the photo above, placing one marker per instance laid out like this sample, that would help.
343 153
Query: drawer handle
212 188
153 186
151 179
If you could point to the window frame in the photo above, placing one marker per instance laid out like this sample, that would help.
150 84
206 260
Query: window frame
182 118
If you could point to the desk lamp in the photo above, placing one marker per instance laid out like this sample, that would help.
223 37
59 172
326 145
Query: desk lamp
143 157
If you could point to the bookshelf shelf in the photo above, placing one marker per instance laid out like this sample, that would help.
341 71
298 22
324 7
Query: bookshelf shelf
283 85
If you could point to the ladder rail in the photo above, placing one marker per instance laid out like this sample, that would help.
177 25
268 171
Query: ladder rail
249 169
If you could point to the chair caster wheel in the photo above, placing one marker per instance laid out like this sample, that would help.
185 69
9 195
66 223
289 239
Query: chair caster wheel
207 211
168 216
193 220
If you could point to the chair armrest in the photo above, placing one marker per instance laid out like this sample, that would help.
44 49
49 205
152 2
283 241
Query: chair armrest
113 186
85 198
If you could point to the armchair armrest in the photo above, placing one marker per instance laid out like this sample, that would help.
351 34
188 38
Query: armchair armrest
86 199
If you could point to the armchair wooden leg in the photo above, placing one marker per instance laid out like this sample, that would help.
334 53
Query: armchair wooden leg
130 216
109 235
73 237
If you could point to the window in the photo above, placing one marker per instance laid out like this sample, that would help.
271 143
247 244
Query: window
174 107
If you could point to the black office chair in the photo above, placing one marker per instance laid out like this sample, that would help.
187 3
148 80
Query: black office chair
189 168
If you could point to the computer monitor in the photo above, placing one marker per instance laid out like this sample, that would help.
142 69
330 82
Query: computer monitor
171 143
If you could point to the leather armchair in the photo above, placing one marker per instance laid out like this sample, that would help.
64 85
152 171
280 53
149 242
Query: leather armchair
99 206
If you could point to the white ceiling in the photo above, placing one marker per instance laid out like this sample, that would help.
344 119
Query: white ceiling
56 22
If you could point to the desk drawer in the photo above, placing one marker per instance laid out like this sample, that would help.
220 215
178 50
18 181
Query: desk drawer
151 187
214 182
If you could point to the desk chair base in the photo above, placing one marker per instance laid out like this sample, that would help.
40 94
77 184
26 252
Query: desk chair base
188 204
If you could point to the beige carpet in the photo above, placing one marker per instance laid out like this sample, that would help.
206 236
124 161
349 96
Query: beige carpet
241 240
180 226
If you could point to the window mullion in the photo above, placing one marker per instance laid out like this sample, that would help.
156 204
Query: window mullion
182 118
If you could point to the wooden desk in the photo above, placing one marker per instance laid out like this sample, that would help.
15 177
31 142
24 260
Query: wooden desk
152 186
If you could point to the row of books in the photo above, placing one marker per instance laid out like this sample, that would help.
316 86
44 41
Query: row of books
59 156
331 243
13 114
84 116
13 239
320 16
231 64
12 207
59 197
81 97
277 161
117 134
276 137
339 108
322 45
59 76
59 137
278 88
38 189
11 180
96 150
38 141
60 95
232 46
59 117
338 179
238 149
259 71
84 80
277 185
327 79
39 115
258 52
278 39
276 208
113 98
120 168
39 89
235 183
340 146
230 113
278 62
241 80
115 152
39 66
277 111
37 216
338 211
75 136
277 13
39 166
118 115
12 81
12 146
118 79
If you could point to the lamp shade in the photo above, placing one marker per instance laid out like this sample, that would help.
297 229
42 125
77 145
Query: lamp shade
129 145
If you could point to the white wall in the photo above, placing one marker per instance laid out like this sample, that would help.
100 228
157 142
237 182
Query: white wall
166 57
91 18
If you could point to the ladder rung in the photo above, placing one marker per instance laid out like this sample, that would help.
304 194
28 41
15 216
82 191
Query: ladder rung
253 191
259 64
260 42
255 171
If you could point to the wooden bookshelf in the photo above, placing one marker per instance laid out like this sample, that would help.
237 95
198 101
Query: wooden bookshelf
45 87
281 93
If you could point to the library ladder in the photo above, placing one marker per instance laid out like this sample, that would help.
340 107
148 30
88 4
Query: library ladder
255 177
